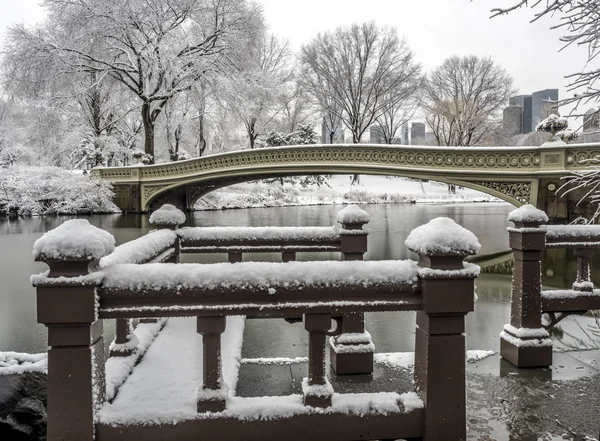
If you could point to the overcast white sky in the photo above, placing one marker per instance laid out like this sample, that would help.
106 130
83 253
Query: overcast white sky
434 29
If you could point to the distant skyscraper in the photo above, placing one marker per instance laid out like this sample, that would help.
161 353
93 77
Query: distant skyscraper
538 100
512 120
376 135
417 133
535 107
591 120
405 133
525 102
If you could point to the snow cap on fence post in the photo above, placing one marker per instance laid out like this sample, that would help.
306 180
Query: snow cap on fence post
167 216
442 244
69 248
352 217
353 237
527 216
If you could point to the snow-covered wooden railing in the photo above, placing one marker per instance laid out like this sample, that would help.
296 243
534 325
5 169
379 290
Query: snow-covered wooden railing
72 302
352 351
155 247
525 341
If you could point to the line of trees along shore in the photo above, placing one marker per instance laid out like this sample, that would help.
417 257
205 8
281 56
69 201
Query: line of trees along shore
118 82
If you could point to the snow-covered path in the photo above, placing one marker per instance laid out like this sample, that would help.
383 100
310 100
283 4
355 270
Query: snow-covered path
164 386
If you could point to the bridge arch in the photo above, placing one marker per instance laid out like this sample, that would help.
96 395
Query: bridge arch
196 187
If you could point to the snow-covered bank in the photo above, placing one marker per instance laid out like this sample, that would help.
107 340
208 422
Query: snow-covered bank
371 190
29 190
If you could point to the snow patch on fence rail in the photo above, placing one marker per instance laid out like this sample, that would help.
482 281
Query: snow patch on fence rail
142 249
568 293
222 234
573 232
19 363
255 276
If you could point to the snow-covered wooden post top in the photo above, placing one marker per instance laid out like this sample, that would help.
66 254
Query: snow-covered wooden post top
167 216
447 289
353 237
69 248
66 304
524 342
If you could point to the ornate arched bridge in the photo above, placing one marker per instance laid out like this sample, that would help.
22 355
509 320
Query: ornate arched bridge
516 174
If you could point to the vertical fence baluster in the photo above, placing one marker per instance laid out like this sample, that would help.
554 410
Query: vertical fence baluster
316 388
212 396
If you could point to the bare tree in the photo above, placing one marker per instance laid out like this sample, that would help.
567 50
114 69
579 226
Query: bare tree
353 71
401 107
156 48
255 89
462 95
579 19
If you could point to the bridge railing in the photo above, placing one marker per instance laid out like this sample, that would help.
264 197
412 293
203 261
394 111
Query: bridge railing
72 302
525 341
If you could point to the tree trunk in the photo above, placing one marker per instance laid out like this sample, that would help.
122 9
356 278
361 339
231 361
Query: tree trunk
148 131
201 138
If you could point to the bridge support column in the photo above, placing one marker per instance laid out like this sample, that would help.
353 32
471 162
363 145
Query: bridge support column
128 197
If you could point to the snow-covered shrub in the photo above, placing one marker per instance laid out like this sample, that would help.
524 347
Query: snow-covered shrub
27 190
305 135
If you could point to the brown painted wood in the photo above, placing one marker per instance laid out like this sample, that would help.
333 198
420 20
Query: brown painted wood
313 427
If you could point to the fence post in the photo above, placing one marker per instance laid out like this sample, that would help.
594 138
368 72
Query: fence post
447 288
524 342
212 397
169 217
66 304
352 351
584 281
316 388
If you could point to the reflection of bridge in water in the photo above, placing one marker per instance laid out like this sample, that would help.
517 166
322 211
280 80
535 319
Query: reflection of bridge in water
516 174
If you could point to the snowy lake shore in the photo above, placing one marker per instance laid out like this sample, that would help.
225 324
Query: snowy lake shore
338 190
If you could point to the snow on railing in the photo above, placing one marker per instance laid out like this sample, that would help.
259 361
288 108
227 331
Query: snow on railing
143 249
319 291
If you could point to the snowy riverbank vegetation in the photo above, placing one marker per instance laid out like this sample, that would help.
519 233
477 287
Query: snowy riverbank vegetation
29 190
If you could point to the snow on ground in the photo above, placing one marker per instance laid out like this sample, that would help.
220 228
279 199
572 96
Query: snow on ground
577 333
169 376
119 368
372 189
406 360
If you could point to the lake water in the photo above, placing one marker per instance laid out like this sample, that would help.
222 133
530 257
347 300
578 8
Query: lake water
389 227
